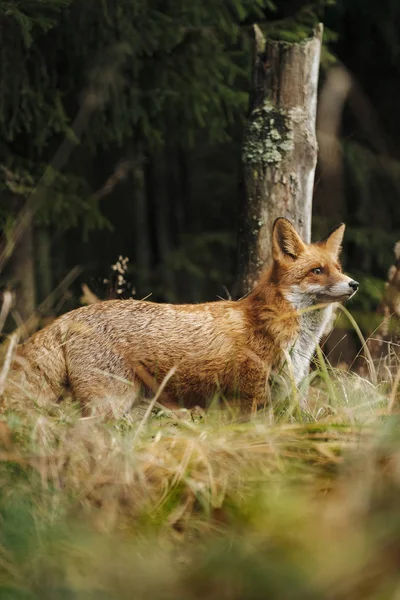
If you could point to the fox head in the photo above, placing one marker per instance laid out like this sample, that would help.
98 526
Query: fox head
309 274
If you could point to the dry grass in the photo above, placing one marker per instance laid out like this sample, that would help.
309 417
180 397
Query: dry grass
299 503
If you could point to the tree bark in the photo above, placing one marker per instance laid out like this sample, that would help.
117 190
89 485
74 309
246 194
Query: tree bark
280 147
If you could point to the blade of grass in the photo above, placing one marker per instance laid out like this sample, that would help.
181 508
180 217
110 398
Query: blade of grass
363 341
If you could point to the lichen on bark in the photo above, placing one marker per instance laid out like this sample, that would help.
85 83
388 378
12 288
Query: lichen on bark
268 136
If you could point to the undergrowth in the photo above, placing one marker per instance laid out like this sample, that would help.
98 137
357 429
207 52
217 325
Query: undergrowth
291 504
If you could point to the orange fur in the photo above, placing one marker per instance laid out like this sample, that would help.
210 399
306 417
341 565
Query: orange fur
113 348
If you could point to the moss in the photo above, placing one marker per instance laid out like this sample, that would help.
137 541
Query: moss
268 137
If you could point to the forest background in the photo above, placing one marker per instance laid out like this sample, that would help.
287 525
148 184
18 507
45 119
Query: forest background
121 129
127 118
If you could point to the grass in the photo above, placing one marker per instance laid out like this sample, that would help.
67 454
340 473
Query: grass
294 504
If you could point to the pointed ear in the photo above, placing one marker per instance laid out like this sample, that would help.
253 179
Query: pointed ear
286 242
333 241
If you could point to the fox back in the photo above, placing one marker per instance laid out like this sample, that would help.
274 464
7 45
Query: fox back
116 348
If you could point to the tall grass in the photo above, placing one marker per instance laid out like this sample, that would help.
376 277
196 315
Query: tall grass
292 504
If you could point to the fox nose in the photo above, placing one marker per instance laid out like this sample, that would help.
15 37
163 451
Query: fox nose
354 285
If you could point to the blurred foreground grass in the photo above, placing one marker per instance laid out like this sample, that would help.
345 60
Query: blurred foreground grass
294 504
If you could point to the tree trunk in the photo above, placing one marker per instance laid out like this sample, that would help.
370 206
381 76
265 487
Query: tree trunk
141 228
23 273
329 199
163 222
44 266
280 148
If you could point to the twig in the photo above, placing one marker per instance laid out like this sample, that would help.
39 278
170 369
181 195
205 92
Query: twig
88 296
7 361
5 309
47 302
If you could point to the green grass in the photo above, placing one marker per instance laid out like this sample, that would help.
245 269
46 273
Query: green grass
294 504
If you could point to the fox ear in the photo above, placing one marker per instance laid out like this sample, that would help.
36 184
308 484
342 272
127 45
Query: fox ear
333 241
286 242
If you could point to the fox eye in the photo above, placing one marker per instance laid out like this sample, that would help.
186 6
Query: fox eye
318 271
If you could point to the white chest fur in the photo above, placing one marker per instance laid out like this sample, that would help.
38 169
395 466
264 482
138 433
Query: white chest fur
313 322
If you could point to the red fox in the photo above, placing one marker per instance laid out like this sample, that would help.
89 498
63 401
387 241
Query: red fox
116 347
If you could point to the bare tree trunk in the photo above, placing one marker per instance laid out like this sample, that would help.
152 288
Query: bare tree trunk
44 263
280 148
141 227
163 221
330 194
23 273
